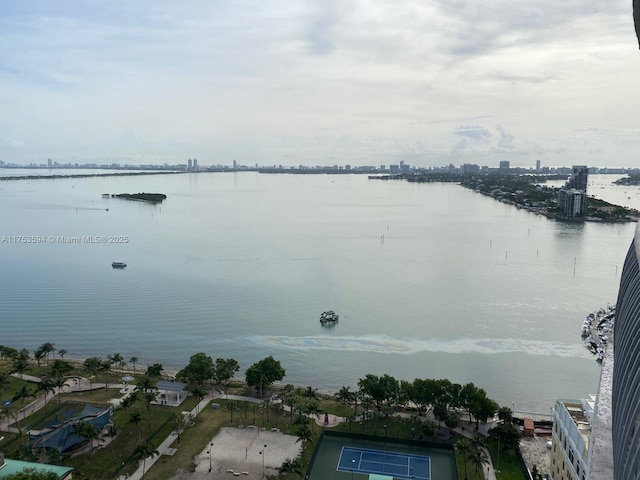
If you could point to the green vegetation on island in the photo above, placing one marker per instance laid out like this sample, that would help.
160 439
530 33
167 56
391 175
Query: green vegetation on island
142 197
527 192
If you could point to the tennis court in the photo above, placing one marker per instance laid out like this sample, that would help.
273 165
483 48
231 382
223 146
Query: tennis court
342 456
391 464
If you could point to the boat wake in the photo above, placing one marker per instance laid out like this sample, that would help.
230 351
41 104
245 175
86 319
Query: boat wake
383 344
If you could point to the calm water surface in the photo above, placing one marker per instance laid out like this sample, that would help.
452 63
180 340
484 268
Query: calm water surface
429 280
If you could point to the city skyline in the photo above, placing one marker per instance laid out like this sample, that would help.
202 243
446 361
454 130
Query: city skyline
333 83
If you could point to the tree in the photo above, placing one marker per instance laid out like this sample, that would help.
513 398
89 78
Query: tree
198 371
380 390
482 407
144 451
149 397
62 352
313 409
92 365
136 418
129 400
46 386
452 420
182 421
304 434
88 431
38 355
463 447
60 368
116 359
290 466
21 362
155 370
505 414
310 394
262 374
146 384
133 361
344 396
47 348
508 434
22 395
479 458
224 370
199 392
59 383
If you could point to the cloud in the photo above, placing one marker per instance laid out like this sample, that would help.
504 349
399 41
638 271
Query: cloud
473 132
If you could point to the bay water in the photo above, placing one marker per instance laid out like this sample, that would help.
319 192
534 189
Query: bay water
429 280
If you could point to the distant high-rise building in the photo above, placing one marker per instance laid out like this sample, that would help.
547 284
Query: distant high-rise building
504 164
235 164
189 164
537 165
195 163
579 178
49 163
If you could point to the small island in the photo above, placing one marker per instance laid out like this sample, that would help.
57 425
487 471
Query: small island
140 197
329 317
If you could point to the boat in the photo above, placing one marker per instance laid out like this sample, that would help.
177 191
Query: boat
329 317
118 264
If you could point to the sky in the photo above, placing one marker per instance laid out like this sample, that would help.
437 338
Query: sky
297 82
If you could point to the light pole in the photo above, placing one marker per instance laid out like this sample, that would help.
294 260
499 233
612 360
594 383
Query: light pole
210 450
385 431
263 455
353 464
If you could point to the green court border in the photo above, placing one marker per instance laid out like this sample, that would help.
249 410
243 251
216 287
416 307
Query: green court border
325 456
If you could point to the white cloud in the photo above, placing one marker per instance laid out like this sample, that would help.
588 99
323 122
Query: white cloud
348 80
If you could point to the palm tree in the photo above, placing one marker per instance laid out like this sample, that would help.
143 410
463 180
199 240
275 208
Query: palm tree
290 466
88 431
479 458
22 395
62 352
133 361
105 367
38 355
144 451
313 409
463 447
92 365
343 396
21 362
304 434
310 394
146 384
148 398
115 359
47 348
59 384
46 386
136 418
129 400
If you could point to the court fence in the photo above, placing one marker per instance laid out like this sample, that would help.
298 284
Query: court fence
375 438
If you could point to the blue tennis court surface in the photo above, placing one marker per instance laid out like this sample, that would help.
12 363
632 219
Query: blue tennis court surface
392 464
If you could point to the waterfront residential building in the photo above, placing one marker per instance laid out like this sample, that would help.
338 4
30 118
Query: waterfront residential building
626 369
571 431
572 202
